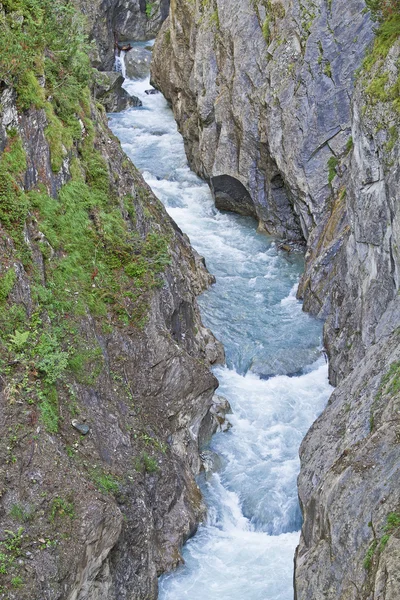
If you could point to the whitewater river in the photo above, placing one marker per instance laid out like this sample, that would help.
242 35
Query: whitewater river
275 378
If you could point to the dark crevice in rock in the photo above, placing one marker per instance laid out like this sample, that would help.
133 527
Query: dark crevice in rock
230 194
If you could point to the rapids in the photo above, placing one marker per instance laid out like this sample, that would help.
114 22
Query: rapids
274 378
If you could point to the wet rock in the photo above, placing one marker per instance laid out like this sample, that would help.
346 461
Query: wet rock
109 91
211 462
137 63
129 19
151 92
215 420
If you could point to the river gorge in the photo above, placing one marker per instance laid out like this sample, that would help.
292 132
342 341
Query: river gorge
275 377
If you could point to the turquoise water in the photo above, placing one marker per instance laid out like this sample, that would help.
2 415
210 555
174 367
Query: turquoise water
274 378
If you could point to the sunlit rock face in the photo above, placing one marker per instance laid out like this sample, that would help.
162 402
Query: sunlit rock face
267 93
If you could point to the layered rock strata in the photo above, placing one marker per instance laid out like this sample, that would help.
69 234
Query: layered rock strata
267 94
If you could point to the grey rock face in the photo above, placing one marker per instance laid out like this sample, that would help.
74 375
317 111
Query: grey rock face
268 112
129 20
348 486
264 94
137 63
109 91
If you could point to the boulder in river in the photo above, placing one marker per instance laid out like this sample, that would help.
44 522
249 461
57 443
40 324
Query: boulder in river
137 63
109 92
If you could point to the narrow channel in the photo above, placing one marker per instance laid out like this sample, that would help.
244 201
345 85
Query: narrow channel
274 378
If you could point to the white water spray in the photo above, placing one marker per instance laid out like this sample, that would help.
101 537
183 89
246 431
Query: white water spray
119 64
275 377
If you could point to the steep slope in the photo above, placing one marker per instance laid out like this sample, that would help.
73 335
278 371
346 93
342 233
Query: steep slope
284 119
104 360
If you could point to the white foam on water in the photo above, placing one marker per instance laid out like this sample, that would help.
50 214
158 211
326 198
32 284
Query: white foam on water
291 297
275 378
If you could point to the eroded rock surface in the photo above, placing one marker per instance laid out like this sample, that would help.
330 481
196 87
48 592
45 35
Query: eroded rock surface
265 93
97 516
124 20
109 91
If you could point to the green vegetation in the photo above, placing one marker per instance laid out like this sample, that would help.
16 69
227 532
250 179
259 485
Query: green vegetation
21 513
7 283
149 9
61 508
386 13
17 582
308 13
328 69
105 482
370 555
332 164
349 145
95 261
10 550
214 18
390 383
391 527
45 38
392 138
275 11
266 29
146 464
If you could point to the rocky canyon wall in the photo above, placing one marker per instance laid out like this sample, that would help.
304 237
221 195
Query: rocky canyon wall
105 380
288 121
124 20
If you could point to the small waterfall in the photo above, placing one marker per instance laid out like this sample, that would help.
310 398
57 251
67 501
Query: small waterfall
119 64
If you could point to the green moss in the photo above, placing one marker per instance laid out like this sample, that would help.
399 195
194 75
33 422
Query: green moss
214 18
332 164
7 282
27 29
392 138
266 31
17 582
13 204
387 14
60 507
97 176
328 69
149 9
349 145
370 555
275 11
392 526
29 91
58 141
105 482
390 383
145 463
22 513
86 364
48 408
13 158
